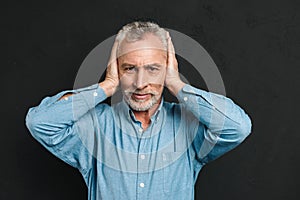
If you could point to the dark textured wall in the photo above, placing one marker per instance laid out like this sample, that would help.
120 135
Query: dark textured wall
254 43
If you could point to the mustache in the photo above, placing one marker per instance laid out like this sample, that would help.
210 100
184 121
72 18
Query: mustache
141 92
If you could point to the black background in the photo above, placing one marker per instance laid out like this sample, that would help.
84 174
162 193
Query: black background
254 43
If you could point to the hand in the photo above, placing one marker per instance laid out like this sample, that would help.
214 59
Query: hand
172 80
111 81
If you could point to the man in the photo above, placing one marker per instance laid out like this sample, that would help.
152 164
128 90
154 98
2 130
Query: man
142 147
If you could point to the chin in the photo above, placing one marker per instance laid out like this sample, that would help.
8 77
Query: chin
142 106
138 107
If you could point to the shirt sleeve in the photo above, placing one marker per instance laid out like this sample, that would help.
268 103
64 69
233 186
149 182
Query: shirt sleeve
55 123
222 123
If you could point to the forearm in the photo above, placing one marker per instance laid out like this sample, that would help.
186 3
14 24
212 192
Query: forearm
61 111
106 86
218 113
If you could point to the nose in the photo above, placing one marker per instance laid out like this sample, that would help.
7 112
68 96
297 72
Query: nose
141 79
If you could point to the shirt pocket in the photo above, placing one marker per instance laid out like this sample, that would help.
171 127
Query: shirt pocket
177 173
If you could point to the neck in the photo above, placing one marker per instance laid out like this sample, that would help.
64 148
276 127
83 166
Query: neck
145 116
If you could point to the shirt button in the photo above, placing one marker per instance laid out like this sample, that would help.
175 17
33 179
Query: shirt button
142 185
95 94
66 98
140 130
142 156
185 99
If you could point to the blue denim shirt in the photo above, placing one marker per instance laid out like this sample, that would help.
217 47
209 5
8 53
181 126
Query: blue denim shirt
120 160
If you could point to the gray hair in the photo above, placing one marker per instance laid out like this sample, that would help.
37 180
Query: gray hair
135 31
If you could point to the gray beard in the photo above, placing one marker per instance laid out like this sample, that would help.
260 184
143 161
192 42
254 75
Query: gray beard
139 106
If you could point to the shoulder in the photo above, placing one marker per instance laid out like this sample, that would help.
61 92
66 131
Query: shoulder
172 108
177 109
103 109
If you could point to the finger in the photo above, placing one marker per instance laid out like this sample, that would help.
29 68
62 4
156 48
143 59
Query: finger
170 45
172 62
113 54
112 67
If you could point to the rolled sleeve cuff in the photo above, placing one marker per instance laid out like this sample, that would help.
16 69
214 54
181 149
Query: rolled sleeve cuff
92 95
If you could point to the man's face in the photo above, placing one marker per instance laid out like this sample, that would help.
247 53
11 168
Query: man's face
142 70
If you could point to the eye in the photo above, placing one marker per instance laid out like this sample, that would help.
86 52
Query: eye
130 69
152 68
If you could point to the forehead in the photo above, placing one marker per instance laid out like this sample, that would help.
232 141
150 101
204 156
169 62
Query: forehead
144 56
149 43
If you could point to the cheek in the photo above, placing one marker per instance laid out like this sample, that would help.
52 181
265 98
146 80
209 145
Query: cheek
158 78
157 84
157 88
126 82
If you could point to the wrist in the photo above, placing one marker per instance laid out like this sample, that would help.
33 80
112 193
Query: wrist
108 87
174 86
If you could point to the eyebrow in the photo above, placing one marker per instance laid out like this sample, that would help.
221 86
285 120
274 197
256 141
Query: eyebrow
148 65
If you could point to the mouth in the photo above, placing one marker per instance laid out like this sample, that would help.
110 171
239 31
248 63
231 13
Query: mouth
140 97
